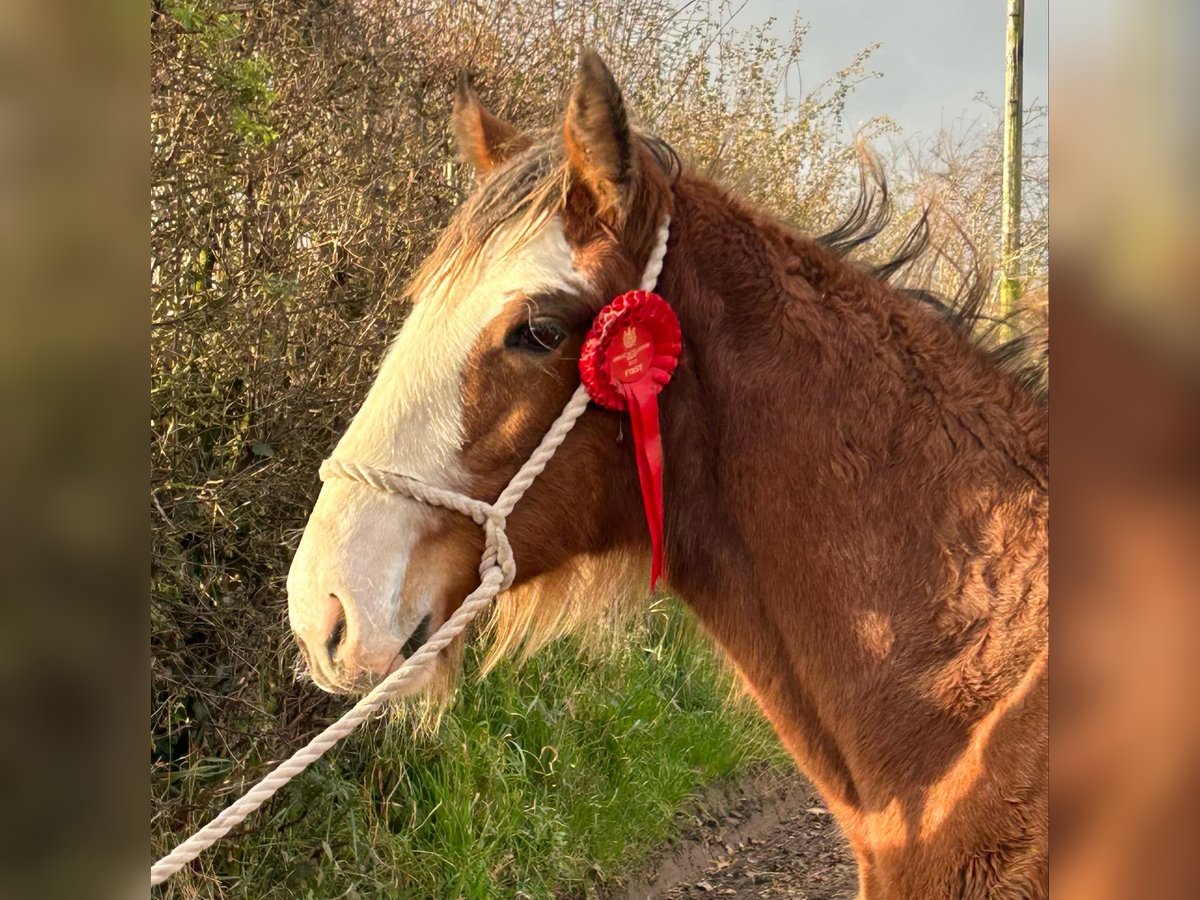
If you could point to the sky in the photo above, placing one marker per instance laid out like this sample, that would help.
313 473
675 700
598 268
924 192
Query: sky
936 55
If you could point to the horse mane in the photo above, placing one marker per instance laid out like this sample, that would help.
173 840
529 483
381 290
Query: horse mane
1017 343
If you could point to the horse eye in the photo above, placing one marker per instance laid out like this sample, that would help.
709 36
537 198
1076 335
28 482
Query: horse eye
538 336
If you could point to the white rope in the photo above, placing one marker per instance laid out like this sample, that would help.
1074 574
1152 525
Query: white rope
496 572
655 263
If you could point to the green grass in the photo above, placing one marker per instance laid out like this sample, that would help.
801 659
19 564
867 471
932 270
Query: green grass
541 779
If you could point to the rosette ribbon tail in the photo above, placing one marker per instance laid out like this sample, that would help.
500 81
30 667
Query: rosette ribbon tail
642 397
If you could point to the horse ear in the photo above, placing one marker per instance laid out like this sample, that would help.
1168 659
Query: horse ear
484 141
598 140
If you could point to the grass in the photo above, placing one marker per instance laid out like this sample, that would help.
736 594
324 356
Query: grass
542 779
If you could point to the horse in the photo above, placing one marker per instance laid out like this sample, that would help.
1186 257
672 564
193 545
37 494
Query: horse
855 487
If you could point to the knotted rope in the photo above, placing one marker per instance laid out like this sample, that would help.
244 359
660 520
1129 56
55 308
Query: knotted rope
496 573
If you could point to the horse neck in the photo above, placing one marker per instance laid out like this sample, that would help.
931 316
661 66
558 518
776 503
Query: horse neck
853 492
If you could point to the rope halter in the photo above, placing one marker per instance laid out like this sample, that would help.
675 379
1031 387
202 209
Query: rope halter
497 569
489 516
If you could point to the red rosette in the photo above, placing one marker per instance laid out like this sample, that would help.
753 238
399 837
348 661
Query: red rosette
635 337
628 356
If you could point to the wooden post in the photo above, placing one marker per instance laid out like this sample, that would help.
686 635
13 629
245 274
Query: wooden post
1010 196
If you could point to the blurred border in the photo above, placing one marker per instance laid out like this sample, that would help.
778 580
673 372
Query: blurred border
74 162
1125 234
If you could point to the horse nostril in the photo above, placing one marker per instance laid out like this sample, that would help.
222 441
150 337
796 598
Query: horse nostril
334 641
419 636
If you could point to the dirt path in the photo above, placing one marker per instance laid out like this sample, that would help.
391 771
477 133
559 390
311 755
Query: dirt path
767 836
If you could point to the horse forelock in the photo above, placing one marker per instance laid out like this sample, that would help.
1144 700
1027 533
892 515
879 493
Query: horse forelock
518 199
522 194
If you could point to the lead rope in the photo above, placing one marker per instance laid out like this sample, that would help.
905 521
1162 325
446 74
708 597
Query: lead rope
496 573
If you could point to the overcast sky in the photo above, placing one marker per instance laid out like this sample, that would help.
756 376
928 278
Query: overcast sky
936 55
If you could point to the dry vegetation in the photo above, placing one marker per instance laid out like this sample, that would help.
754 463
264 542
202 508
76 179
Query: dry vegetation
302 167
